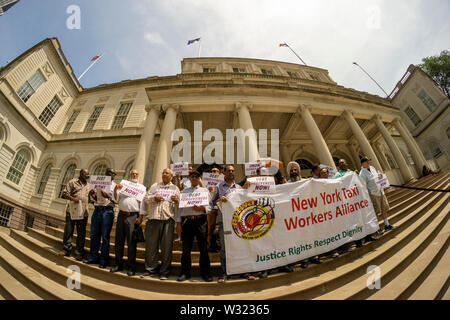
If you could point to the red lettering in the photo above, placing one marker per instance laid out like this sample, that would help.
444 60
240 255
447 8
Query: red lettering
312 202
291 223
295 203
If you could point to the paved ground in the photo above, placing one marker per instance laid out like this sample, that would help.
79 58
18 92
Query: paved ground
4 230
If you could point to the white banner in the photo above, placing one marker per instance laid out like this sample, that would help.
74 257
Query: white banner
181 168
299 220
211 179
251 167
166 192
134 190
101 182
198 197
261 184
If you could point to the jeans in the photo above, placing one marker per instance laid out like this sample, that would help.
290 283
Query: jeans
68 234
101 224
223 264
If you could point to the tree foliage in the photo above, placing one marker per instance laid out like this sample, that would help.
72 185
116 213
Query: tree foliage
438 68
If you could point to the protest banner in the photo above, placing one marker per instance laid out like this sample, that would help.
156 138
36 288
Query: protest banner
298 221
261 184
382 181
166 191
251 167
134 190
181 168
198 197
211 179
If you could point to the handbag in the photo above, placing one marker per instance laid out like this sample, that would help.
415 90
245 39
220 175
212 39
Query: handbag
138 234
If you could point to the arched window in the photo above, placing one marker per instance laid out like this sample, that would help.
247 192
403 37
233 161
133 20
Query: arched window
18 166
44 179
128 168
304 164
100 170
70 172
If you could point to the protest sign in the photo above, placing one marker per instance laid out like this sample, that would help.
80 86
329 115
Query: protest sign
181 168
211 179
251 167
134 190
100 182
166 191
199 197
261 184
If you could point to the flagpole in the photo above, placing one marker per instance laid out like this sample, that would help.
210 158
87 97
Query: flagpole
90 67
199 47
296 54
371 78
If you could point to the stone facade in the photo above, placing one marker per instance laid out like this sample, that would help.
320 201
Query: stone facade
130 123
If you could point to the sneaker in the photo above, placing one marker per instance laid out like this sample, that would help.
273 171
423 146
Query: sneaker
380 232
164 277
183 277
147 274
388 227
222 279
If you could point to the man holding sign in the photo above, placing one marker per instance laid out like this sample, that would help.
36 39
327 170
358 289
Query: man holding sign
102 191
370 176
192 222
130 198
160 206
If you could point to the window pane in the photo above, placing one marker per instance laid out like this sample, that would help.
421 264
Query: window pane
100 170
427 101
44 179
18 166
121 116
50 111
36 80
93 118
71 120
5 213
25 92
412 115
30 86
70 172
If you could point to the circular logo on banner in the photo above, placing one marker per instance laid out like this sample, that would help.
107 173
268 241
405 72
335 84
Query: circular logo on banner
253 219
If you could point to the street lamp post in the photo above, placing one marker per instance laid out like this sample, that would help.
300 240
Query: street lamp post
371 78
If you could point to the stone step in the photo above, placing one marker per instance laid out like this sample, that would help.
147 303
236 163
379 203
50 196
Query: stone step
436 285
12 289
14 261
371 253
176 254
56 244
411 277
393 266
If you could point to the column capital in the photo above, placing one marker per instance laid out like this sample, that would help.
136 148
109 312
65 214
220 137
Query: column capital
304 107
175 107
376 117
150 107
397 120
240 105
347 113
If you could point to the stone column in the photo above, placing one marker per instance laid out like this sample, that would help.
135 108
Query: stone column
145 144
245 123
355 155
382 157
162 160
319 143
362 140
404 169
416 153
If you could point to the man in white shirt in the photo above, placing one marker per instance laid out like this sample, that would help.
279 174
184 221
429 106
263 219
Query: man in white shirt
101 223
161 213
380 203
129 209
192 222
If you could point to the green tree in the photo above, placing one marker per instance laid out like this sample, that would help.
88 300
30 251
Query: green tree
438 68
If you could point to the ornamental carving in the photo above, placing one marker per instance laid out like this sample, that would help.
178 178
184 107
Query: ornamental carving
47 69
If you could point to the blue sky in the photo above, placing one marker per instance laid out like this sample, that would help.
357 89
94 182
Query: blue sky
141 38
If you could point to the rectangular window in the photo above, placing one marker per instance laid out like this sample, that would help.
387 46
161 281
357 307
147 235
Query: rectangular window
93 118
5 213
412 115
267 72
436 151
238 70
50 111
30 86
209 70
121 115
71 120
427 101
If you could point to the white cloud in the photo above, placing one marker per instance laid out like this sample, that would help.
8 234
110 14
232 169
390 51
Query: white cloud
154 38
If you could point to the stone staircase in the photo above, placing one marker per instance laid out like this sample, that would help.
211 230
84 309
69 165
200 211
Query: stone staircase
413 261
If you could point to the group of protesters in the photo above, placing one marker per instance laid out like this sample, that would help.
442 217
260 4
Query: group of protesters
166 219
